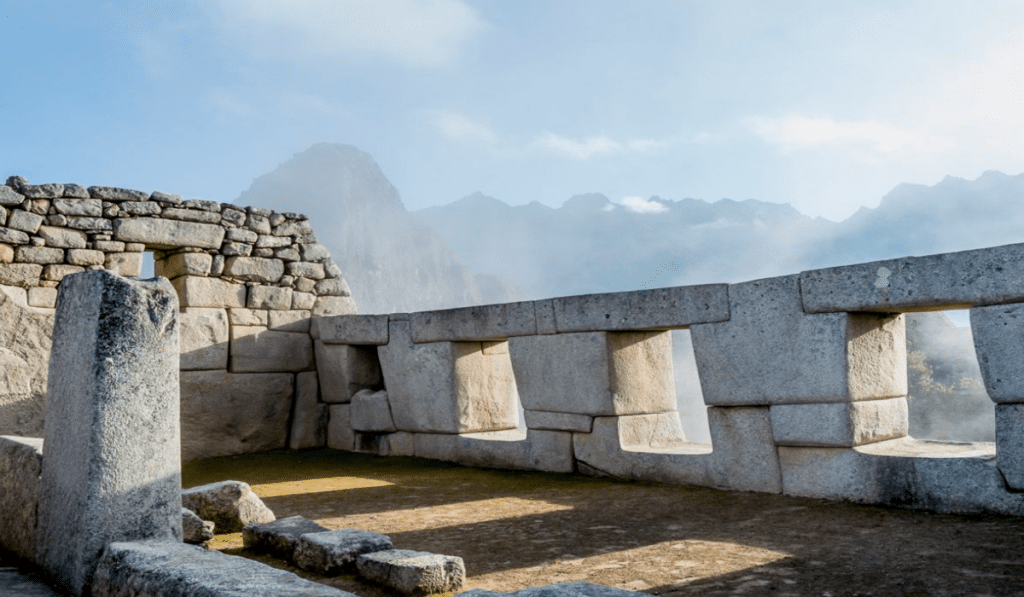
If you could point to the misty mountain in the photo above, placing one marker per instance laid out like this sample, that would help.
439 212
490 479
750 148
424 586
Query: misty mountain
392 261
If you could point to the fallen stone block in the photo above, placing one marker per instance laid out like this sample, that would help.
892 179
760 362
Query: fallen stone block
230 505
562 589
333 552
195 530
413 572
280 537
21 462
155 569
656 309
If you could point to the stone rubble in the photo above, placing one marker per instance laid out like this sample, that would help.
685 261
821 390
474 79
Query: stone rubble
413 572
230 505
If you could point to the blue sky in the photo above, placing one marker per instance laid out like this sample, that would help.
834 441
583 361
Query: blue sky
824 105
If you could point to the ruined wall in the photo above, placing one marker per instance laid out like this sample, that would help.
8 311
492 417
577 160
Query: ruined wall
248 280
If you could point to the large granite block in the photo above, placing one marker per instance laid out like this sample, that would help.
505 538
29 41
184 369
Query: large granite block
413 572
595 373
113 456
21 463
26 336
371 412
204 339
309 419
480 322
744 456
157 233
230 505
339 431
256 349
446 387
655 309
998 332
233 413
1010 443
538 419
840 424
345 369
771 352
930 283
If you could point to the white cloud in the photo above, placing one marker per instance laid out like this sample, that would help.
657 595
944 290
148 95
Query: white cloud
643 206
592 146
414 32
458 127
798 132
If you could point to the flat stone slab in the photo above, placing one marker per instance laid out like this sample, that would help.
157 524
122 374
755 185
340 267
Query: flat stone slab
413 572
944 281
562 589
231 505
280 537
351 329
333 552
481 322
657 309
168 234
154 569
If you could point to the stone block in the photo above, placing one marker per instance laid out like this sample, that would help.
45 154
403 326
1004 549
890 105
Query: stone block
254 269
309 419
413 572
57 272
62 238
204 339
745 457
14 237
270 297
562 589
334 305
230 505
21 463
771 352
267 241
397 444
839 424
999 344
25 344
8 196
45 298
256 349
6 253
79 207
371 412
226 413
944 281
191 215
964 485
315 252
195 530
84 257
339 432
655 309
241 235
125 264
477 323
303 269
184 264
289 321
446 387
113 457
248 317
595 373
847 474
24 221
303 301
197 291
333 287
117 194
174 570
526 449
157 233
109 246
1010 443
141 208
44 255
345 369
294 228
538 419
91 224
280 537
351 329
332 552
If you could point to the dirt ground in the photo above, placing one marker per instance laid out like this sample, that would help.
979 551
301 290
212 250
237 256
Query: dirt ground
521 529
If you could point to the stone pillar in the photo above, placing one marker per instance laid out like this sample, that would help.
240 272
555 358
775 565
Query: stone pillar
112 468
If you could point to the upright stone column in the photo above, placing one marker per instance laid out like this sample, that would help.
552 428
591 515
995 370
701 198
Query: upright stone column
112 467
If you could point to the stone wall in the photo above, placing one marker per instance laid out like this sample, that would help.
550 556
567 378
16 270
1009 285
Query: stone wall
248 281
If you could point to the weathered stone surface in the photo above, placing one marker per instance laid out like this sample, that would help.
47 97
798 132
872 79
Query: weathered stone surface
334 305
538 419
1010 443
333 287
289 321
527 449
270 297
397 444
771 352
267 241
303 301
339 432
947 280
446 387
413 572
315 252
113 458
57 272
141 208
24 221
195 530
109 246
154 569
24 275
840 424
248 317
371 412
21 463
482 322
999 343
230 505
191 215
345 369
44 255
184 264
125 264
117 194
6 253
204 339
9 196
595 373
309 420
333 552
79 207
241 235
75 191
302 269
562 589
92 224
293 228
254 269
45 298
62 237
745 456
226 413
256 349
167 234
656 309
196 291
14 237
351 329
279 537
84 257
